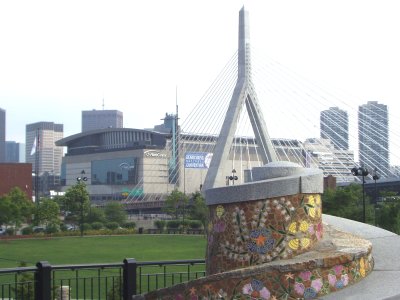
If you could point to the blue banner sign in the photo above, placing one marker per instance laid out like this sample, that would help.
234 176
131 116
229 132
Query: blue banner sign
197 160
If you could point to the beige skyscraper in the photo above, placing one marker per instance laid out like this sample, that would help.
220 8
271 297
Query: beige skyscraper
41 150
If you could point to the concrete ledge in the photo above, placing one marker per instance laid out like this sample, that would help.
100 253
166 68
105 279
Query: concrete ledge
275 179
310 182
383 282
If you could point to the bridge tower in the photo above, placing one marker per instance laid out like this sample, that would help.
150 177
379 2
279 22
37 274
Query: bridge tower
243 94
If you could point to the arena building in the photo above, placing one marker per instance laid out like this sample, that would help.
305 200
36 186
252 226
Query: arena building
138 164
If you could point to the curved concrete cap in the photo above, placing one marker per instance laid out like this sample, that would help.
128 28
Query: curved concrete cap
283 179
276 169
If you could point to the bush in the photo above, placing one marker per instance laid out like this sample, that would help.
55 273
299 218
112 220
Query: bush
112 225
87 226
10 231
63 227
97 225
174 224
195 224
52 228
27 230
129 225
160 224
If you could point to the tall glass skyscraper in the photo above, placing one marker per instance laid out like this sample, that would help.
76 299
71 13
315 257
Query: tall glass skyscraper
12 152
373 137
334 125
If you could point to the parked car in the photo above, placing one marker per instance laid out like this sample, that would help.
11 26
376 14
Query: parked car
70 227
2 231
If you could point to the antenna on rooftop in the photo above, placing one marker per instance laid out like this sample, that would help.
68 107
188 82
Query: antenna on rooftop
103 103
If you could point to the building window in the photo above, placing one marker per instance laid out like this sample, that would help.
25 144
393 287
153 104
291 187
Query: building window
118 171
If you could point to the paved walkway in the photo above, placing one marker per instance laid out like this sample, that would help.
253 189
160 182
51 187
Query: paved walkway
384 281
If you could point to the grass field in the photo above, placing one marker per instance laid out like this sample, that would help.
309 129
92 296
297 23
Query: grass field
104 249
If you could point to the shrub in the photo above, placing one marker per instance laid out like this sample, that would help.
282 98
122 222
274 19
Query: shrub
160 224
195 224
87 226
27 230
63 227
173 224
129 225
97 225
10 231
52 228
112 225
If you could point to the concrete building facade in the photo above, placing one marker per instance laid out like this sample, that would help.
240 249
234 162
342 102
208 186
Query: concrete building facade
134 163
322 154
100 119
41 150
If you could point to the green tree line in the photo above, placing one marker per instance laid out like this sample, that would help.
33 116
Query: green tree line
347 202
16 210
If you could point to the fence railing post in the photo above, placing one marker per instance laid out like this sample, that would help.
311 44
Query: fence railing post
129 278
43 281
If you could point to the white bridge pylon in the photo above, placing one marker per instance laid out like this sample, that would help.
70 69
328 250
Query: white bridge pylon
243 94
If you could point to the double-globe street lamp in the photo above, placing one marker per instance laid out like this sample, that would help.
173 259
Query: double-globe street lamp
78 180
232 178
375 177
361 171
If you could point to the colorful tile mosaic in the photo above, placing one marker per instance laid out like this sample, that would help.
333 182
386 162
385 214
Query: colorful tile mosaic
255 232
274 249
270 284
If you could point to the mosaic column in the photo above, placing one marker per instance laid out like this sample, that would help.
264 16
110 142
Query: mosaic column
275 216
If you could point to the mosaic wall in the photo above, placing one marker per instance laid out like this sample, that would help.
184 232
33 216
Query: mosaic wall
250 233
271 284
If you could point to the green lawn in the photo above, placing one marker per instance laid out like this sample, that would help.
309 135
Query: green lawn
104 249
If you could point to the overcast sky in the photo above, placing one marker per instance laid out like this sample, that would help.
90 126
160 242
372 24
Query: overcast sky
58 58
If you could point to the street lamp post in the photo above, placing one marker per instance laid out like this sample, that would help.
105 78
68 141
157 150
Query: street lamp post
375 177
361 172
232 178
78 180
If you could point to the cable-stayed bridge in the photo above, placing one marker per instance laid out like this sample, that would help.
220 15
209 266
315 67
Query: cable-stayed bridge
226 133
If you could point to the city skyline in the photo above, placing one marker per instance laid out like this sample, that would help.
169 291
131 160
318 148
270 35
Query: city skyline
140 60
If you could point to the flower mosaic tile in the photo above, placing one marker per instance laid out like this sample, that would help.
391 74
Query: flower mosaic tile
307 276
274 249
255 232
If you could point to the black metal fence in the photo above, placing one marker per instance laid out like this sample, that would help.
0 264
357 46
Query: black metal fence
95 281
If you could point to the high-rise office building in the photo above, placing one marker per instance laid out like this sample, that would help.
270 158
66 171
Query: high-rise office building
100 119
41 150
12 152
334 125
2 135
373 137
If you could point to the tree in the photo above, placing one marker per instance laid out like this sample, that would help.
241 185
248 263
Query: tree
346 202
387 212
115 212
96 215
15 208
199 208
47 212
76 201
176 204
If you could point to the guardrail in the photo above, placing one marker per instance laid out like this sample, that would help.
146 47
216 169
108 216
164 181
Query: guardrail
112 281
